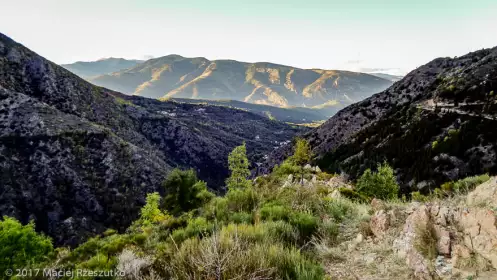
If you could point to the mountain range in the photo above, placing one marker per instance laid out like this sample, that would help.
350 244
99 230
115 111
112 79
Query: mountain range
77 158
259 83
433 126
90 69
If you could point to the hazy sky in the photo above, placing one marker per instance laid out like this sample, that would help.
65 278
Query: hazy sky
395 35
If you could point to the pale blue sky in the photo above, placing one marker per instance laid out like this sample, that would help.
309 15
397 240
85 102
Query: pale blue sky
397 35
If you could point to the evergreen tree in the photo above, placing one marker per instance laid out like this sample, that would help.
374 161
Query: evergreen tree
301 156
239 167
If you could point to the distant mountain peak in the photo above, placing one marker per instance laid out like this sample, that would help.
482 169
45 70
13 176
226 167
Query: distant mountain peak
259 83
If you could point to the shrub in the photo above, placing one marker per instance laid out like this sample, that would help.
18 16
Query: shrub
20 245
381 184
434 144
290 264
426 240
353 195
150 212
241 218
241 199
338 209
464 185
282 231
286 168
246 233
274 212
218 257
469 183
185 192
198 226
417 196
305 223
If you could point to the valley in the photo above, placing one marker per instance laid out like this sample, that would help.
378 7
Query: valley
398 183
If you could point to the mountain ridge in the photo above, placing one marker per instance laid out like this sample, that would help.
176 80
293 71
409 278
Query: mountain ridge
89 69
260 82
438 117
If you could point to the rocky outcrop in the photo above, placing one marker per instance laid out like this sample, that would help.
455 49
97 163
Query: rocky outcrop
463 237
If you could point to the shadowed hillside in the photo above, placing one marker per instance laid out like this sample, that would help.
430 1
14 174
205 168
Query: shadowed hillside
433 126
77 158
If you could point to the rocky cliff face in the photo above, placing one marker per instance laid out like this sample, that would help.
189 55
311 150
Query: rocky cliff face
77 158
435 125
259 83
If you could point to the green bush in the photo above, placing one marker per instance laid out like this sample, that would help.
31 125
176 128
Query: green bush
241 218
232 254
198 226
469 183
305 223
184 191
282 231
417 196
464 185
150 212
274 212
381 184
242 199
339 209
353 195
286 168
21 246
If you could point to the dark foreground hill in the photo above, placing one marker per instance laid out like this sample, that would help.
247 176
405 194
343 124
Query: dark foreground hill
435 125
77 158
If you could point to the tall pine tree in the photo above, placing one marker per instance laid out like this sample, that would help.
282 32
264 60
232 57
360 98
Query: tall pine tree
239 167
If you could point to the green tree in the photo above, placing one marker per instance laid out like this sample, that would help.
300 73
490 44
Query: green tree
302 155
239 167
150 213
21 246
381 184
185 191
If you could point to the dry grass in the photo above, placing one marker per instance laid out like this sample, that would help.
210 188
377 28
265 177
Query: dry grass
426 241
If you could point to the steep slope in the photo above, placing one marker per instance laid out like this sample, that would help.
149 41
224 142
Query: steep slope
393 78
297 115
259 83
89 69
435 125
77 158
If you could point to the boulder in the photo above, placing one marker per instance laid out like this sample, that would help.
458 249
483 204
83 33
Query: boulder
379 223
485 194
